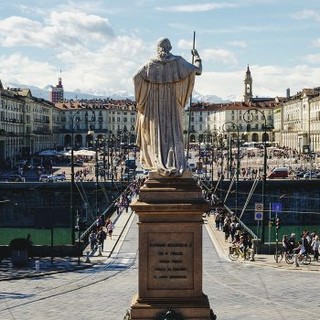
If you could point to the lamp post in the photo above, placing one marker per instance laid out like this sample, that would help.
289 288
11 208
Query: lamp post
111 141
250 119
96 141
72 178
234 125
216 135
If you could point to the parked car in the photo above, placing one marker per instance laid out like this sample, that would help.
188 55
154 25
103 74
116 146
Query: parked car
14 178
44 178
279 172
57 177
300 174
77 163
192 167
311 175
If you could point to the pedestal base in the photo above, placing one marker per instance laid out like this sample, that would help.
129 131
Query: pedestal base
170 251
189 309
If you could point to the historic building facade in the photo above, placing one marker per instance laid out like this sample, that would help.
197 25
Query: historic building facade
249 121
29 124
298 121
108 119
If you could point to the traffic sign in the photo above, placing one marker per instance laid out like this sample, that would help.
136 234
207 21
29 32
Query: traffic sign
276 206
258 207
258 216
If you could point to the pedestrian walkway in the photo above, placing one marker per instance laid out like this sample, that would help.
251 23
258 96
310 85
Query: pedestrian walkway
122 222
46 265
265 260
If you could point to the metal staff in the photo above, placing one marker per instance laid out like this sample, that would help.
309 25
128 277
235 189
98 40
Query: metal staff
189 120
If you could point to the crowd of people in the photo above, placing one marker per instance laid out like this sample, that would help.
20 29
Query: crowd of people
232 229
307 243
103 228
224 164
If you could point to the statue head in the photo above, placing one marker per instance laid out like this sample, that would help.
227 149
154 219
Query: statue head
163 47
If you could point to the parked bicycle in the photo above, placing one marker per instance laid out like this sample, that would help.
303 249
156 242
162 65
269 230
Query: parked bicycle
279 254
235 252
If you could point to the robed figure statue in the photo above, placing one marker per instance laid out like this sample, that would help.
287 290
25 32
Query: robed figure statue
162 89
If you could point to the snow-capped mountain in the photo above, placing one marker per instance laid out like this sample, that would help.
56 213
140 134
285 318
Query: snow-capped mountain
101 93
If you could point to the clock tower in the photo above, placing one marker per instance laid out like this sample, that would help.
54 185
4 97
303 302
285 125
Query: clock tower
248 86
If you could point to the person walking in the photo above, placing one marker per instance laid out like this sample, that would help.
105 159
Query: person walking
101 236
109 226
315 247
93 240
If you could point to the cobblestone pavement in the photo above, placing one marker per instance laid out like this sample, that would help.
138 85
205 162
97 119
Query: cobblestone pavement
236 290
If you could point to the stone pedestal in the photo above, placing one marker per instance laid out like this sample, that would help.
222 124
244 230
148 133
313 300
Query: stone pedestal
170 249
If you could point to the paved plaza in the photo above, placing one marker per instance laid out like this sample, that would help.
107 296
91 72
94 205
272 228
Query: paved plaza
104 287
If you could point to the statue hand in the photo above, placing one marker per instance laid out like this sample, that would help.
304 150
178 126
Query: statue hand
195 53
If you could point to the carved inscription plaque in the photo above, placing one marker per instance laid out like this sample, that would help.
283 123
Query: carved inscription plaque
170 260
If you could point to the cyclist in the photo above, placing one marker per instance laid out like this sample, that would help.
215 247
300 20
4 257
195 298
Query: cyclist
285 244
241 244
292 242
301 250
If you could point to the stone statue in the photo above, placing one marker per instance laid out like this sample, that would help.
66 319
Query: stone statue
162 89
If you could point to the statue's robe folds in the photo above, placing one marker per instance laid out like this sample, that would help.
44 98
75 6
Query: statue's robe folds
162 90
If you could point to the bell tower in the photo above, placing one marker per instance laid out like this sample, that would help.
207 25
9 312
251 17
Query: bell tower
248 86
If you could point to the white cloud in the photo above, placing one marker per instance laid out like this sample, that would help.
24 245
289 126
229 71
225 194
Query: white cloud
197 7
307 14
26 71
219 55
312 58
79 27
111 67
59 30
184 44
19 31
221 84
274 80
316 43
239 44
83 46
268 81
93 58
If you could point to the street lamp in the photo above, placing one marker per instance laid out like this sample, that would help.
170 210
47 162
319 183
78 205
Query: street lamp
72 178
96 141
235 126
227 129
216 134
248 117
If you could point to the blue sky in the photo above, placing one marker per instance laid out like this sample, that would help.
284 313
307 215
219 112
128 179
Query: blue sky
99 44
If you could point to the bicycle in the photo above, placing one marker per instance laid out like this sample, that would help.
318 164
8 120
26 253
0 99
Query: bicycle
279 254
304 258
235 252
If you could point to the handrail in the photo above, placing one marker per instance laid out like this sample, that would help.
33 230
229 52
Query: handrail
247 229
85 234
